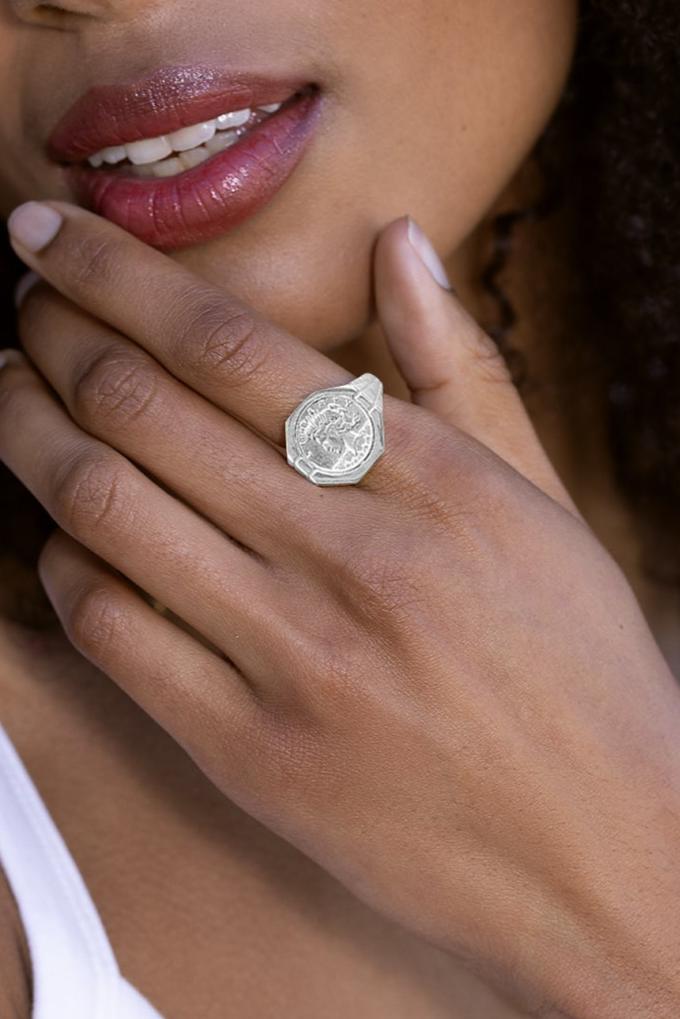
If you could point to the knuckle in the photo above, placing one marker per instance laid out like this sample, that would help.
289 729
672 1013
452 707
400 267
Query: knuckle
445 451
462 492
427 456
381 582
293 744
116 387
381 576
94 620
404 439
475 495
447 478
489 362
219 342
403 432
325 661
491 485
339 683
90 493
93 260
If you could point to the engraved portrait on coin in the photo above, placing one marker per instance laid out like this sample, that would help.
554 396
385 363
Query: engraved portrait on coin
335 435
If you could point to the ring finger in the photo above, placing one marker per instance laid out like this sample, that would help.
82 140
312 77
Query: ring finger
120 394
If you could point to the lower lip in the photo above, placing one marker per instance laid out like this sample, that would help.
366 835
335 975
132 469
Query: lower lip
213 197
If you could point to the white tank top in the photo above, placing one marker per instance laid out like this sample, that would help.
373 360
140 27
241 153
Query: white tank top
75 973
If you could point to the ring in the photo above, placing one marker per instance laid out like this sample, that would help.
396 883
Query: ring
335 435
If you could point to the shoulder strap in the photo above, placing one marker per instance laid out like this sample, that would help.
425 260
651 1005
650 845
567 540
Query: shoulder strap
75 973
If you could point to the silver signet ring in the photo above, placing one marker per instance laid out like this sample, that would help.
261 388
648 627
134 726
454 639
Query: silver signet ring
335 435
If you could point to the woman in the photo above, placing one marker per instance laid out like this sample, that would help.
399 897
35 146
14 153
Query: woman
405 746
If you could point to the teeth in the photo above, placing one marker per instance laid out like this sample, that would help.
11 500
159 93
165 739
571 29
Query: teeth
222 140
187 160
145 171
190 137
114 154
193 144
168 168
193 157
149 150
234 119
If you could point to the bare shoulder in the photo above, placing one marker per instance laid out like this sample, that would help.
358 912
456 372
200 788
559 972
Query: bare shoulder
15 967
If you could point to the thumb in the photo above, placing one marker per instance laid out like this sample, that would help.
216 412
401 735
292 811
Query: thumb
450 365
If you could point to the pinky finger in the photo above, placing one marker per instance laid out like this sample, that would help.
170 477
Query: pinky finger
202 701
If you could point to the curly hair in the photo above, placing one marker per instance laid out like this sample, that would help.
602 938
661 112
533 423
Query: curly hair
611 158
624 187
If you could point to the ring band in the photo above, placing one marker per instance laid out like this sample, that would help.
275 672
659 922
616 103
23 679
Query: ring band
335 435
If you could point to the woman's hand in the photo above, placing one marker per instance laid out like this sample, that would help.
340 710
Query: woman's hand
436 683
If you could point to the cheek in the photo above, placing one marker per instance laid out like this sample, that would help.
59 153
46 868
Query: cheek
437 105
431 106
33 85
12 186
501 88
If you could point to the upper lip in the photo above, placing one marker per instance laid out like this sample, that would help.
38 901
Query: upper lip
170 98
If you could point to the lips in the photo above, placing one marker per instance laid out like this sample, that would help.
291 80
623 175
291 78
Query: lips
213 197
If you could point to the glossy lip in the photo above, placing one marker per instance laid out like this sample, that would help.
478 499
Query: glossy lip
209 199
170 98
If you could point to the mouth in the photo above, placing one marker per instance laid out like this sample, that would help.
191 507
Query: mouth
187 154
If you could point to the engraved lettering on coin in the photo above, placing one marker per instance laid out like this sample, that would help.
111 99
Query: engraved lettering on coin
334 432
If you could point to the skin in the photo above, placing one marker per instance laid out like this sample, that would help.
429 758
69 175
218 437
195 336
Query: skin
481 113
418 918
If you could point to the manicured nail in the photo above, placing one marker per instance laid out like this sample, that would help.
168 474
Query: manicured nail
10 356
28 280
33 225
423 246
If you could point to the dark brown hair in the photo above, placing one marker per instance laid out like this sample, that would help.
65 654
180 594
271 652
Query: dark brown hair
622 183
611 158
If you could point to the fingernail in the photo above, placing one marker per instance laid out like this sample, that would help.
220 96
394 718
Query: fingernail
423 246
28 280
33 225
10 356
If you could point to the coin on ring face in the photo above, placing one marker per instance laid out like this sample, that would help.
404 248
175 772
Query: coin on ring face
335 435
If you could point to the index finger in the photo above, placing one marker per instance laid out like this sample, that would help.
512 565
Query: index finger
218 345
